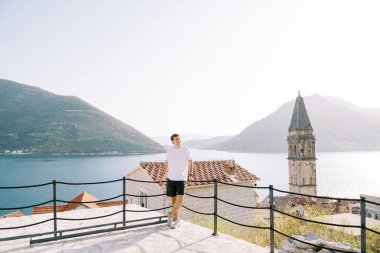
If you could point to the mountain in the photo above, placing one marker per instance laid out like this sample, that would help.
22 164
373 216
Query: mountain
204 143
165 140
32 119
338 126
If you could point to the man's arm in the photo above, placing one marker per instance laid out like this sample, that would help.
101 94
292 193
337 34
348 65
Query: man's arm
190 170
165 170
191 167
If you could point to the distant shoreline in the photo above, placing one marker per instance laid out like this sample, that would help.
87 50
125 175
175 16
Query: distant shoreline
110 154
78 154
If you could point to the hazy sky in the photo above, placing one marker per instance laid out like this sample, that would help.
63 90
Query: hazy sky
207 67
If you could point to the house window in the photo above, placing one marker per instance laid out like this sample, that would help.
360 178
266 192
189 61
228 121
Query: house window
355 210
143 199
372 215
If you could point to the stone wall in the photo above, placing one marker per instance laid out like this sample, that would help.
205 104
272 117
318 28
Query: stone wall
148 188
302 176
238 195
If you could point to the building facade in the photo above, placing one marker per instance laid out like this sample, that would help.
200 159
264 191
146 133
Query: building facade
225 171
301 152
373 210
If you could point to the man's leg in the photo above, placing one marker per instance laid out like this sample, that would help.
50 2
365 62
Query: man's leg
174 199
177 205
180 195
171 192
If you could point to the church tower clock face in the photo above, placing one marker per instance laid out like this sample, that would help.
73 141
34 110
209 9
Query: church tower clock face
301 151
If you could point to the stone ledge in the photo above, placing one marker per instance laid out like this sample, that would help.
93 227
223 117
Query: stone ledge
159 238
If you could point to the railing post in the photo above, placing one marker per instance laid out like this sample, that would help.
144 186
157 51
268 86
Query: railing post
363 214
271 217
215 207
124 192
55 206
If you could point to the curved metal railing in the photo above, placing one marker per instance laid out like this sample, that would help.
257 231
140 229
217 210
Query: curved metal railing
215 197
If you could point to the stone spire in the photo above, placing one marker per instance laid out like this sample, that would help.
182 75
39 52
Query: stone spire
301 151
300 119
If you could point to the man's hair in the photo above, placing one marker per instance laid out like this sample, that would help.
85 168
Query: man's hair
173 136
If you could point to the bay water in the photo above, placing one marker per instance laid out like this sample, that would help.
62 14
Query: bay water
340 174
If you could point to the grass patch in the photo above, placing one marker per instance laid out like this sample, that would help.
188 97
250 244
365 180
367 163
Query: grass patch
287 225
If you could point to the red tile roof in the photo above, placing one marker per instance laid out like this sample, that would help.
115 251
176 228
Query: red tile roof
204 171
49 209
83 197
111 203
13 214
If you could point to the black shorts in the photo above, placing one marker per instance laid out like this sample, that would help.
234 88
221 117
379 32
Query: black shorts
174 188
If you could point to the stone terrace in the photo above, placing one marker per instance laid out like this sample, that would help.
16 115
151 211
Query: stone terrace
158 238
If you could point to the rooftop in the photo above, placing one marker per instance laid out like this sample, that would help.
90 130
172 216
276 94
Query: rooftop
300 118
83 197
348 219
12 214
205 171
158 238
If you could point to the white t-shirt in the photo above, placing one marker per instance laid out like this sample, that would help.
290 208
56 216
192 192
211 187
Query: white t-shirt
178 160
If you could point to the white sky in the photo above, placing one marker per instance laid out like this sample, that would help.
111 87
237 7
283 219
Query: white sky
206 67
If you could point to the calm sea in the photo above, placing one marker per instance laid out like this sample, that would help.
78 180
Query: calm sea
343 174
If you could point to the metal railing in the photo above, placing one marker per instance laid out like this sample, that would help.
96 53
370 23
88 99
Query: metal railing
272 210
161 219
55 219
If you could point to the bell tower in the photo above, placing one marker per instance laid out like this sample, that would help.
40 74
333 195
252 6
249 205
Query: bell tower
301 151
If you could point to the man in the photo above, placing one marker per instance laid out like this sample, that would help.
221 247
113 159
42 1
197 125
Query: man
179 166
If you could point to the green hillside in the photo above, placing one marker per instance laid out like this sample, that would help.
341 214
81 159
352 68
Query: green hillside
34 119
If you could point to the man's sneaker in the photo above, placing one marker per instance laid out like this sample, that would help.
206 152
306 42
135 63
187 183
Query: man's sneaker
176 224
170 219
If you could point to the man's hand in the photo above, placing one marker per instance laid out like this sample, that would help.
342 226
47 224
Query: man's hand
190 178
164 172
